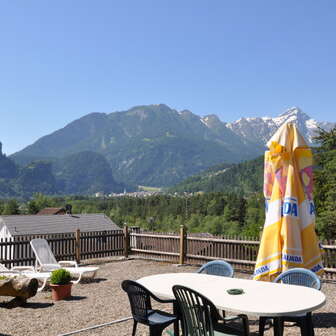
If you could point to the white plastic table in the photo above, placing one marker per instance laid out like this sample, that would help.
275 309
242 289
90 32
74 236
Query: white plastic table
259 298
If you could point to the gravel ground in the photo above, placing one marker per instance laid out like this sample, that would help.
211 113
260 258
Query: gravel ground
102 300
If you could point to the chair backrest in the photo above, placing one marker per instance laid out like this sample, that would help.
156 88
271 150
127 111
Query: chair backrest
196 310
139 298
300 277
217 267
44 256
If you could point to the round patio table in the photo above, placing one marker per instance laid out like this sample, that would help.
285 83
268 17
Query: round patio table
258 298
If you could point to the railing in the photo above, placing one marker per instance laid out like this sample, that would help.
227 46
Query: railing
153 245
16 251
241 252
172 247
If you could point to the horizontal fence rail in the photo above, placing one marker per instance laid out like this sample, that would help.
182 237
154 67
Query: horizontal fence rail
16 251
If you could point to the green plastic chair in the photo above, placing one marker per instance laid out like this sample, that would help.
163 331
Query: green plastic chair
142 311
200 317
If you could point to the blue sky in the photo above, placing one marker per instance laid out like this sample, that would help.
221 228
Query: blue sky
60 60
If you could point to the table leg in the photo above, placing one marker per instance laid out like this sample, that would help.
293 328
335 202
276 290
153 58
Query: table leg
309 324
278 326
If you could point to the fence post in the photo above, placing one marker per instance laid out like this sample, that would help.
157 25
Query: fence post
77 246
126 241
183 243
133 240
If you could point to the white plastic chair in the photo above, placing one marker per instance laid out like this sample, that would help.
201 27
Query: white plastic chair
46 261
26 271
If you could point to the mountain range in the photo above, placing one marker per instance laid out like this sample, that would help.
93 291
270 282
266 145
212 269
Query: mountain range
152 145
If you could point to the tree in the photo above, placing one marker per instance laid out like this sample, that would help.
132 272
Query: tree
255 215
326 139
326 219
42 201
325 183
32 208
11 208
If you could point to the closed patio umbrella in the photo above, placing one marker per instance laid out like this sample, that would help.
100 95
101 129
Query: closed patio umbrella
288 239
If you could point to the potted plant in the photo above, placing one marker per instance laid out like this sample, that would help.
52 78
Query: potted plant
60 283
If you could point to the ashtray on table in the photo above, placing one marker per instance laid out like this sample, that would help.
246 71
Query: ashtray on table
235 291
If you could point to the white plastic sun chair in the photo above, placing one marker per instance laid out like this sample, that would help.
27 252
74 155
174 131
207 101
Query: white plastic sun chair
27 271
46 261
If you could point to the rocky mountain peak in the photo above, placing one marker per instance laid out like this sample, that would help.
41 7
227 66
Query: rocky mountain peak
186 112
210 120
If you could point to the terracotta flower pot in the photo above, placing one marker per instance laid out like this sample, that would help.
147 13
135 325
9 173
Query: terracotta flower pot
60 292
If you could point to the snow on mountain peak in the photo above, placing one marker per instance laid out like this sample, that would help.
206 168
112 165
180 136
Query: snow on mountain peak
295 112
260 130
292 110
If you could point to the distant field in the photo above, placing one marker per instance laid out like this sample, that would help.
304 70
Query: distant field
144 188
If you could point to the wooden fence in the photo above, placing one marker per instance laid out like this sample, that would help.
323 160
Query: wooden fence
16 251
196 249
172 247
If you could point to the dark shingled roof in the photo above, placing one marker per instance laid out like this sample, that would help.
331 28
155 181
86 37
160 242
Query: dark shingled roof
32 224
51 211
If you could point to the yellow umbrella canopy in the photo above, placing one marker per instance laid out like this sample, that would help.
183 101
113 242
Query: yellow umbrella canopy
289 239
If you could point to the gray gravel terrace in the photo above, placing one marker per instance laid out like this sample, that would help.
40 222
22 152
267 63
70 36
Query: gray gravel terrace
102 300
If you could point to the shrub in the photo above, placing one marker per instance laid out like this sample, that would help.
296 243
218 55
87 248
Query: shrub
2 277
60 277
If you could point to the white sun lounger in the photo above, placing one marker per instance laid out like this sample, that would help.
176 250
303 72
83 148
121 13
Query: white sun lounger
46 261
26 271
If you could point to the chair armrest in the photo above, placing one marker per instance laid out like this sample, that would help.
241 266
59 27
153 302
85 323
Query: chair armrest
161 300
68 263
232 318
23 268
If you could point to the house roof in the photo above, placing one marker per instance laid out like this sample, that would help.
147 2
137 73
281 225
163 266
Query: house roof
50 211
32 224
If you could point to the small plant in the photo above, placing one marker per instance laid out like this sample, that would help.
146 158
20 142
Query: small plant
2 277
60 277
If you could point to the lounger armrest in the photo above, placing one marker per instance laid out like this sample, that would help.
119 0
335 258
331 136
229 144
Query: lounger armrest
48 267
23 268
65 263
10 272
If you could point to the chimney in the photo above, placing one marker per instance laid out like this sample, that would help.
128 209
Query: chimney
68 209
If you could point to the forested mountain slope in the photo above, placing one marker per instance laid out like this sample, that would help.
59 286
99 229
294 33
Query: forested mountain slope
245 177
